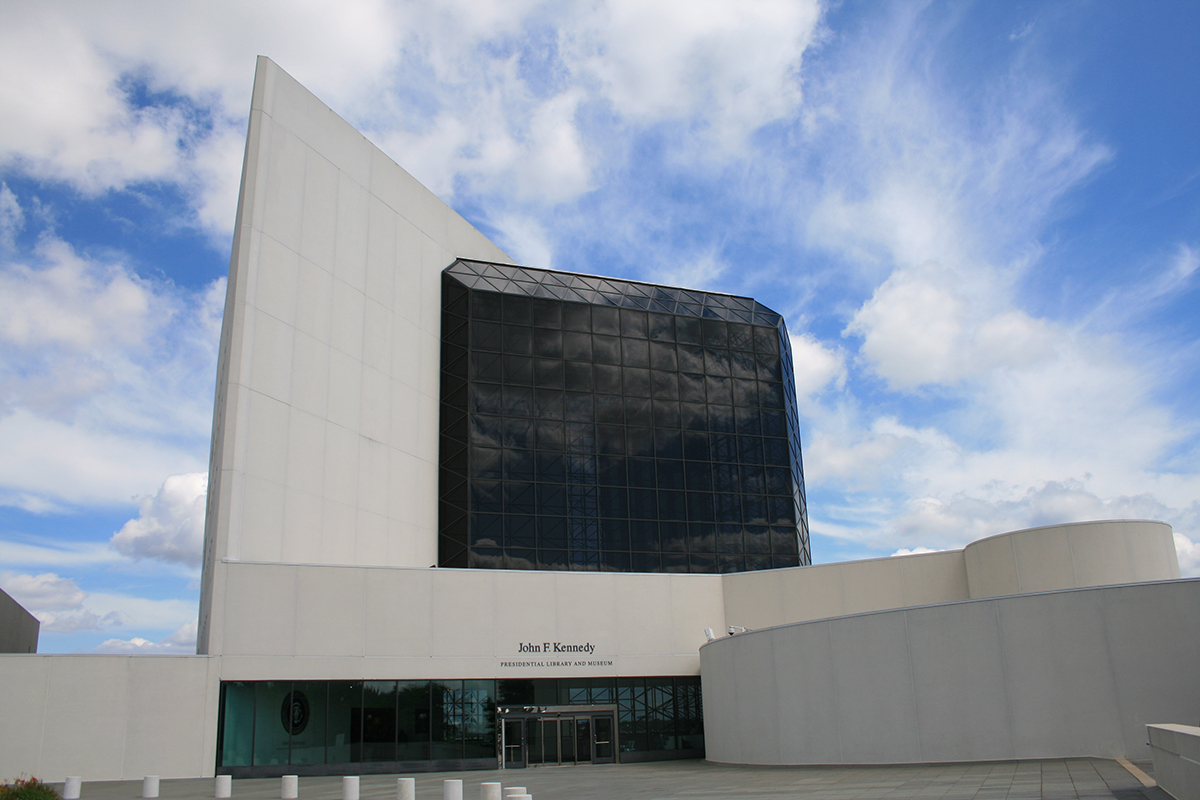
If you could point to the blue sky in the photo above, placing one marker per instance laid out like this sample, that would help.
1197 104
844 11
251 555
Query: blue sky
981 221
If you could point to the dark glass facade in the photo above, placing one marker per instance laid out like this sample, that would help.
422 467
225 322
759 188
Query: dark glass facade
595 424
308 727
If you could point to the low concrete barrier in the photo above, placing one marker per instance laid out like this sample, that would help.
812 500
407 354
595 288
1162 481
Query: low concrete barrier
1176 753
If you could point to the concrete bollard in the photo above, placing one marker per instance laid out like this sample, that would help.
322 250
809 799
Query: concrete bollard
350 787
521 797
224 787
452 790
489 791
150 787
406 789
509 791
71 788
289 787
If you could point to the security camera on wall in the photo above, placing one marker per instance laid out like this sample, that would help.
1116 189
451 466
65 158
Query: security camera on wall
709 635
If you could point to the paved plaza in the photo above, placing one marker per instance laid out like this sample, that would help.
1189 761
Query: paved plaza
1069 779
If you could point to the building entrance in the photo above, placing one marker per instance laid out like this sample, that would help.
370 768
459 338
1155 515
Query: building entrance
537 736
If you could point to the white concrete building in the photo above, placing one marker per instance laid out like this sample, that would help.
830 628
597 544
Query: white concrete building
462 513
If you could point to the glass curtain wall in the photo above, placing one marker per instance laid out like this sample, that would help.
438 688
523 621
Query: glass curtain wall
595 424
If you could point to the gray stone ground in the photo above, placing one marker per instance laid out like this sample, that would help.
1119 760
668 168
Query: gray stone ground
1072 779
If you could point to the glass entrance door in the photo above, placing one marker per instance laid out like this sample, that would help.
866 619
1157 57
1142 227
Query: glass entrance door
514 743
602 742
559 736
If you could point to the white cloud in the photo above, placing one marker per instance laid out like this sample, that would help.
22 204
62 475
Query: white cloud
1189 556
12 218
915 551
815 365
45 592
181 642
106 379
77 621
170 525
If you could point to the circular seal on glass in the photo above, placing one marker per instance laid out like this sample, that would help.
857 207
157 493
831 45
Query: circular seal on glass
294 713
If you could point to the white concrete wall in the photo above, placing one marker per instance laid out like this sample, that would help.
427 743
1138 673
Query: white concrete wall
1078 554
353 622
325 445
108 717
1050 675
777 597
1176 753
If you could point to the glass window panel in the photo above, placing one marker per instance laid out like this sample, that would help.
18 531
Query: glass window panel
720 419
578 407
378 721
662 356
691 388
675 562
687 330
670 474
645 562
638 411
520 558
715 333
610 439
577 317
698 475
485 463
777 452
479 719
729 539
633 323
518 432
668 443
753 479
758 562
552 533
664 385
661 327
550 434
719 390
486 431
770 395
486 305
672 505
643 504
518 339
487 497
487 367
695 446
610 408
743 365
412 720
642 472
615 533
578 376
750 449
726 478
702 562
758 540
520 530
774 422
607 379
486 336
741 336
784 542
606 319
547 313
487 530
613 501
640 441
754 509
635 353
727 507
343 729
553 559
485 558
581 438
446 720
518 401
770 368
700 507
690 358
701 535
766 340
716 362
606 350
730 563
612 471
518 308
724 447
577 346
552 499
783 511
666 414
693 416
487 398
637 382
745 393
237 721
779 480
548 344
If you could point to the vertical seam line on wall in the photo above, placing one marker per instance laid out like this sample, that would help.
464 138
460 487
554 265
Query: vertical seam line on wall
912 682
125 721
1012 743
1102 597
837 710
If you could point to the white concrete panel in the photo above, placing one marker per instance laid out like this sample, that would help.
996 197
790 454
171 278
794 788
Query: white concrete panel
318 235
270 590
271 358
375 414
407 197
379 282
314 301
353 224
757 704
370 540
695 605
267 439
755 599
958 678
934 578
306 453
278 275
345 390
871 650
808 715
349 311
462 613
1060 682
526 606
310 374
639 633
302 514
283 206
405 360
396 612
872 585
263 516
377 336
171 722
327 608
339 523
991 567
811 593
373 477
341 464
1044 560
24 682
409 267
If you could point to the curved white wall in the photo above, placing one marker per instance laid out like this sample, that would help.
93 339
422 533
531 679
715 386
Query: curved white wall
1050 675
1069 556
